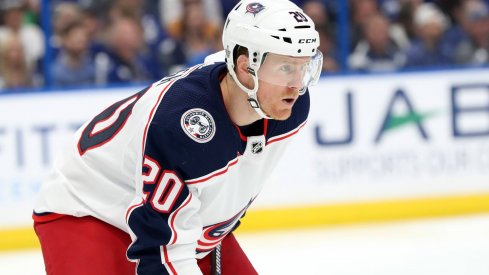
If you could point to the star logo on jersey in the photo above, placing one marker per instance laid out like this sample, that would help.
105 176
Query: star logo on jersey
199 125
254 8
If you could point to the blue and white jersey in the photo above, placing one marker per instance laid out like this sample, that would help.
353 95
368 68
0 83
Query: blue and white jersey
168 166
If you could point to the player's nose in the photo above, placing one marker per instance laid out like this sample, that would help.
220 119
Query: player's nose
295 81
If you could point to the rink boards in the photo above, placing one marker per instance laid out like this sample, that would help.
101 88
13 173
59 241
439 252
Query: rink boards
381 147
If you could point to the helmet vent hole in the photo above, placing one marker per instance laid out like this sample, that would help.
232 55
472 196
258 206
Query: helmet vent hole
302 27
288 40
282 30
276 37
299 50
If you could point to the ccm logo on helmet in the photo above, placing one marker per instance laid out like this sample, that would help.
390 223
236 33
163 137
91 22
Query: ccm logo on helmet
307 41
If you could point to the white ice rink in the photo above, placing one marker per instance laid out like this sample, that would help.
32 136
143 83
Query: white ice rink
449 246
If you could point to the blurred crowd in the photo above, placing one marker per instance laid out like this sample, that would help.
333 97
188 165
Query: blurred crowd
89 42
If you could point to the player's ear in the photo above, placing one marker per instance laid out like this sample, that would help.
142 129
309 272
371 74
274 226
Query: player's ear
242 71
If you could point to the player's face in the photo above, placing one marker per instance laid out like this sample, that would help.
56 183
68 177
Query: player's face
277 101
280 79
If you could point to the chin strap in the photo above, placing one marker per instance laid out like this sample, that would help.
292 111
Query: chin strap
252 93
253 100
253 97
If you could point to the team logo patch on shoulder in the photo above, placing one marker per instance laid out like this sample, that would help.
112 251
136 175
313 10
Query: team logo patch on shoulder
199 125
254 8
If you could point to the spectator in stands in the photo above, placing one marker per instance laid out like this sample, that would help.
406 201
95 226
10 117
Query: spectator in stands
451 8
145 14
94 26
32 12
405 18
65 13
429 48
73 66
361 10
194 37
473 47
126 60
378 51
455 34
171 56
390 8
201 38
14 69
30 34
92 14
126 8
142 13
316 9
172 12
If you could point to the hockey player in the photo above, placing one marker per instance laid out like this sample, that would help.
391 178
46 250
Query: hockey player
156 183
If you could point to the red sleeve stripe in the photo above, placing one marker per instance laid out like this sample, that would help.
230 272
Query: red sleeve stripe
286 135
166 260
129 211
213 174
173 239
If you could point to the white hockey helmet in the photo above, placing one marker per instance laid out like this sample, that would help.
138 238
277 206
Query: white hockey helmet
272 26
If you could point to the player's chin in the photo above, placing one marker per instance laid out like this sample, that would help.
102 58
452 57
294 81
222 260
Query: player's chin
282 115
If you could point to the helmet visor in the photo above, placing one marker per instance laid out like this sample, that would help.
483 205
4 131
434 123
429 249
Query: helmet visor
288 71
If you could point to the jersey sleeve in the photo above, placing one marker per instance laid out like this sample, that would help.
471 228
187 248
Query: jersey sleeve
164 222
